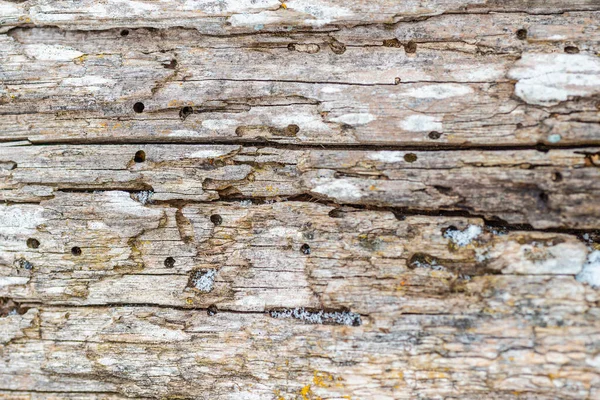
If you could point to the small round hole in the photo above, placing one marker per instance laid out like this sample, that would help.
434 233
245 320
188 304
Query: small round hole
140 156
544 197
410 47
292 130
33 243
336 213
410 157
169 262
138 107
124 32
571 50
185 112
557 177
212 310
291 46
434 135
305 249
522 34
216 219
76 251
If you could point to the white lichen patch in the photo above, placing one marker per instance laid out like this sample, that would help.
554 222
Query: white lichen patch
439 91
204 280
339 189
20 220
210 153
319 317
590 273
421 123
465 237
548 79
354 119
538 258
433 265
51 52
143 197
387 156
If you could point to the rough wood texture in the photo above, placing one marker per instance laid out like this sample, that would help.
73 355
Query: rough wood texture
299 200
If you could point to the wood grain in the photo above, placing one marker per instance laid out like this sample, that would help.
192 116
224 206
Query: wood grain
299 200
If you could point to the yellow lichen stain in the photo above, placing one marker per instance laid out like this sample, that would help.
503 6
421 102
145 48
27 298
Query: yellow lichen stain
81 59
372 187
189 300
284 6
174 103
321 379
271 189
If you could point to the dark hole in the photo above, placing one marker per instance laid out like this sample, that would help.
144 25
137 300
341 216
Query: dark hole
435 135
216 219
571 50
212 310
557 177
169 262
171 65
138 107
410 47
542 148
292 130
185 111
410 157
140 156
544 197
451 228
392 43
76 251
336 213
33 243
522 34
124 32
291 46
305 249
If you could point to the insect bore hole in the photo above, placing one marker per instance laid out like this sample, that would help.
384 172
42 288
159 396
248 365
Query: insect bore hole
76 251
216 219
169 262
305 249
33 243
140 156
138 107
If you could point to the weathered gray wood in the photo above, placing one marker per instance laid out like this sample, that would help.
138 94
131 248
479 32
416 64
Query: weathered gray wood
469 289
359 260
553 189
319 200
463 87
249 16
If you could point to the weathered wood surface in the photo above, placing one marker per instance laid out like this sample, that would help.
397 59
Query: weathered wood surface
317 200
557 188
469 79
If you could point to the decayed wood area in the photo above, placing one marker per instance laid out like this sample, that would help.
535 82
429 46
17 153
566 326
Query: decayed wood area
271 200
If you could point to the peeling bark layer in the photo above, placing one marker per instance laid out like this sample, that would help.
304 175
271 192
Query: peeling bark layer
294 200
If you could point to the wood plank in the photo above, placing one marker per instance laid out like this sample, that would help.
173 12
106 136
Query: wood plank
147 351
544 189
248 16
243 257
457 89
